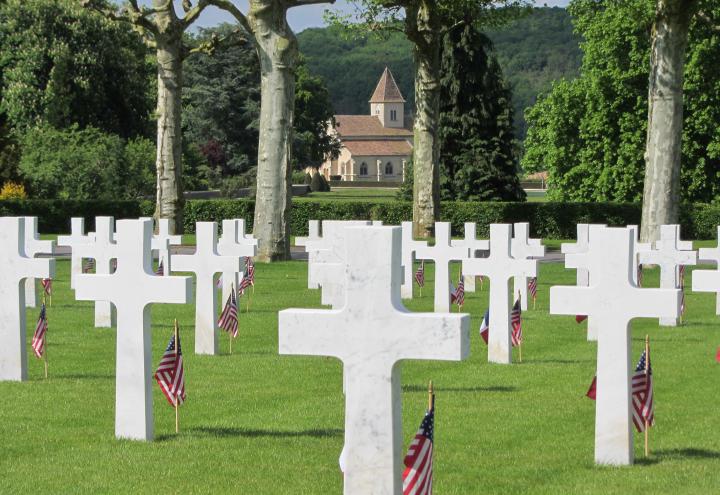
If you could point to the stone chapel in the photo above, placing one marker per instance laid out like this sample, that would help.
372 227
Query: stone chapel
375 147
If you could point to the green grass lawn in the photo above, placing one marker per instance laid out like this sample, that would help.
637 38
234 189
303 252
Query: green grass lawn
256 422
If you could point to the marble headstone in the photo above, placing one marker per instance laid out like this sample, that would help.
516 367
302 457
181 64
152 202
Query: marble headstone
131 289
613 300
371 334
442 253
710 279
312 237
639 247
33 247
473 245
205 263
234 242
669 255
15 267
161 243
499 267
524 248
77 237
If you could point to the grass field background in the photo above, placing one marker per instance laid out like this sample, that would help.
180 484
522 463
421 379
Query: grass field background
256 422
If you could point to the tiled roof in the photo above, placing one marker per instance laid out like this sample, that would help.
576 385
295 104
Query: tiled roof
387 90
366 125
378 148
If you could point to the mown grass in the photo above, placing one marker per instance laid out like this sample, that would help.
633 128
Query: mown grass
256 422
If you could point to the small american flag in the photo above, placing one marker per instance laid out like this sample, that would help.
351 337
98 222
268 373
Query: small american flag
459 295
417 477
681 276
717 355
38 340
47 286
580 318
160 269
420 274
250 270
219 283
682 302
485 326
244 284
229 318
592 391
640 275
532 287
170 373
113 265
643 407
88 265
516 322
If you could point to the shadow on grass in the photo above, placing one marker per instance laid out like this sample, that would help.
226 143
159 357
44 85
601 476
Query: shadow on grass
423 388
85 376
226 432
678 454
556 361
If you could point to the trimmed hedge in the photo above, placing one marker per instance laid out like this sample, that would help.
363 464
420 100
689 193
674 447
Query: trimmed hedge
547 220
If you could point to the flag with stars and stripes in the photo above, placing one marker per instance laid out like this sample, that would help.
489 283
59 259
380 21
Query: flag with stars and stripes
160 269
681 276
420 274
47 286
229 318
417 477
88 265
244 284
643 407
485 326
532 287
38 340
458 297
250 270
516 336
682 302
170 374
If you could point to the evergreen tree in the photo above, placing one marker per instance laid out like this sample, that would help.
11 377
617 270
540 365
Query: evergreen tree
478 150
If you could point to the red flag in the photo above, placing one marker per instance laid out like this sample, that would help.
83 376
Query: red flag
717 356
593 388
580 318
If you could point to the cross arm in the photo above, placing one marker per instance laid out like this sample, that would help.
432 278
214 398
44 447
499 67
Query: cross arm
571 300
41 268
431 336
321 335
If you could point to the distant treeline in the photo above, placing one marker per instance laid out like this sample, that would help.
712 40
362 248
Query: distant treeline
532 51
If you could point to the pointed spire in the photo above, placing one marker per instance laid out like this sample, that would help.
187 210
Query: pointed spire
387 90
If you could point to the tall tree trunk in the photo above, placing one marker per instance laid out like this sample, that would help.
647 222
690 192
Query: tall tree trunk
278 51
168 163
423 29
661 195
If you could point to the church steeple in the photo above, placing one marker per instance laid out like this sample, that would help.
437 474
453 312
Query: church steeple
387 103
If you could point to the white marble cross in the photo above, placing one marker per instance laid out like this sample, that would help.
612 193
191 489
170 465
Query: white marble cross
132 288
205 263
33 247
15 267
161 243
524 248
234 242
77 237
313 237
473 244
442 253
613 300
709 280
103 250
582 276
371 334
499 267
669 255
409 246
639 247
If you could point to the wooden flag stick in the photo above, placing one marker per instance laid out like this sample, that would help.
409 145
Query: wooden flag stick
177 409
647 368
431 396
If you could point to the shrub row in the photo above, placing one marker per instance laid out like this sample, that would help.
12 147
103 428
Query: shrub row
547 220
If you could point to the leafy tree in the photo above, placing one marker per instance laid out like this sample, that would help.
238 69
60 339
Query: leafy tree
62 65
478 151
81 164
590 133
424 22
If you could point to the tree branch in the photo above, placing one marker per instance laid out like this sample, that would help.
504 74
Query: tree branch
229 7
297 3
134 15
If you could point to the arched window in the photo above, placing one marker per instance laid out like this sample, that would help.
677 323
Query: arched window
363 168
388 168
